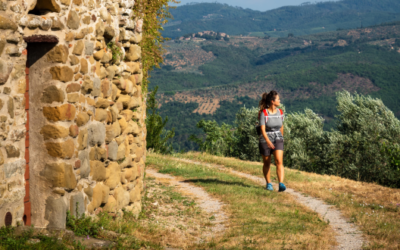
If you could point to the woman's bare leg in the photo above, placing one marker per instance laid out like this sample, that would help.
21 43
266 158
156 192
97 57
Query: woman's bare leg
278 155
267 168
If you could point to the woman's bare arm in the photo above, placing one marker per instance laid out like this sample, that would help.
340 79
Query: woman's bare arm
282 130
269 143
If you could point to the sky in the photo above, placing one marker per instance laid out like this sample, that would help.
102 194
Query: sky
261 5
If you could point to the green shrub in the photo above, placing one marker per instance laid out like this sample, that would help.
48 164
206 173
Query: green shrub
218 139
364 147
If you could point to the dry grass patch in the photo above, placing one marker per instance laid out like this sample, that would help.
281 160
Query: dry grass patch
170 218
258 219
374 208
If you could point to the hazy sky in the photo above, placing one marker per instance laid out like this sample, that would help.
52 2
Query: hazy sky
261 5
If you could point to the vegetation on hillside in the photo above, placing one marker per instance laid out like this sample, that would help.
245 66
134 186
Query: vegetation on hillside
298 20
365 145
158 138
306 74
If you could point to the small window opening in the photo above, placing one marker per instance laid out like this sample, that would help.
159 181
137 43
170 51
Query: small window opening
8 219
24 219
43 7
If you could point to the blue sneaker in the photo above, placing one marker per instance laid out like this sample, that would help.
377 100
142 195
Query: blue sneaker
270 187
282 187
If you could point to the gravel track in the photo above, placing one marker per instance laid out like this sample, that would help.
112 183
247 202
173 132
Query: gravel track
206 202
348 236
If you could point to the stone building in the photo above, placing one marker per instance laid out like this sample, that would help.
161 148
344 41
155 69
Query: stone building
72 113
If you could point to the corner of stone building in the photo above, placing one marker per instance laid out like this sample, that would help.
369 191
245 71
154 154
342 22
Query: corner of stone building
72 126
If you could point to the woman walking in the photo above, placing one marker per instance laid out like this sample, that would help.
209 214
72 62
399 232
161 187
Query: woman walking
271 138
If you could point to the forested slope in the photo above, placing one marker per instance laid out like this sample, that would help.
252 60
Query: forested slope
299 20
212 79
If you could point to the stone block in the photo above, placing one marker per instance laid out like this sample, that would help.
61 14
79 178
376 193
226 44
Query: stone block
82 118
78 48
7 24
89 48
109 32
122 197
73 20
135 194
112 131
106 88
98 171
55 212
87 86
84 66
53 132
1 158
100 115
52 94
98 154
100 196
96 87
73 87
10 107
114 175
60 175
62 73
77 205
96 134
85 164
73 97
111 205
12 151
73 130
112 150
57 23
15 167
74 60
134 53
121 154
83 139
65 112
89 192
58 54
5 70
100 29
63 150
102 103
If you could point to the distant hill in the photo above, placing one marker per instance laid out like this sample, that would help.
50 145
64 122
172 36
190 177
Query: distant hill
298 20
212 79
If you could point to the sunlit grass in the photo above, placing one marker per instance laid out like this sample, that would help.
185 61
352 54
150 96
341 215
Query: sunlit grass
374 208
258 219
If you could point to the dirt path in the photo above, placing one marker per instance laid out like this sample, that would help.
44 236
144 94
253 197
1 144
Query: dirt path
209 204
348 236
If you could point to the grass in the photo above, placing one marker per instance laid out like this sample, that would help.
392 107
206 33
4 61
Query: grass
258 219
168 217
374 208
11 241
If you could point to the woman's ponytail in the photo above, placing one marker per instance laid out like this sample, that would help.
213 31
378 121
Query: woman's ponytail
266 99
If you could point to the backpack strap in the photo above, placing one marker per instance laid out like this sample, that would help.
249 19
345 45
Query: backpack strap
280 110
266 115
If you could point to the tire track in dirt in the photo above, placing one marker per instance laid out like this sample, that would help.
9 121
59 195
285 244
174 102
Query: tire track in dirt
348 236
206 202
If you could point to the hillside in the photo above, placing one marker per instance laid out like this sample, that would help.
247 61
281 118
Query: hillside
299 20
212 79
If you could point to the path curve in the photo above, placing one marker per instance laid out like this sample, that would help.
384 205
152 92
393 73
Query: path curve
206 202
348 236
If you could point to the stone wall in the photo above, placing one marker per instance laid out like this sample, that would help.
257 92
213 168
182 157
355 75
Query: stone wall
71 110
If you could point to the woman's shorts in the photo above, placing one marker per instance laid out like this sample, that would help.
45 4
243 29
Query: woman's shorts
266 151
